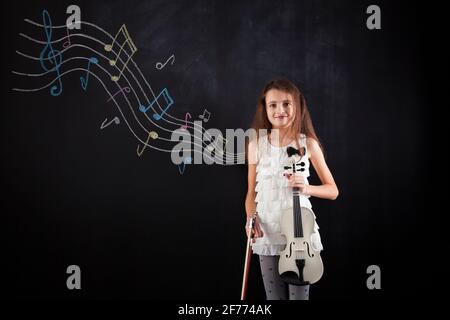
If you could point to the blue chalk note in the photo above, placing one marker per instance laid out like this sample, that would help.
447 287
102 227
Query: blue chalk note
181 168
54 57
168 101
85 80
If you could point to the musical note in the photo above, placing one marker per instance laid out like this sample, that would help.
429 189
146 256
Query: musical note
205 118
151 134
167 98
85 80
54 56
126 89
184 126
159 65
115 120
187 160
67 43
127 40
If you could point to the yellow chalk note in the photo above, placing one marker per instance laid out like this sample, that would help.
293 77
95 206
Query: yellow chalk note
151 134
126 48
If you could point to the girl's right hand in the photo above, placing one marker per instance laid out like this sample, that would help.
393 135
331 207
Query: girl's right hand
256 231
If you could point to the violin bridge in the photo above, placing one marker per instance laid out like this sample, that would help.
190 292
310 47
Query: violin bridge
298 246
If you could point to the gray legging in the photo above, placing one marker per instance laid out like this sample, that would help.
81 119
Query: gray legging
276 288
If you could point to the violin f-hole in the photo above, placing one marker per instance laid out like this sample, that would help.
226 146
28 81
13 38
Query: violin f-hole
290 250
311 255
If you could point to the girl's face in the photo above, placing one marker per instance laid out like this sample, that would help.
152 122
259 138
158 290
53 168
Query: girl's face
280 108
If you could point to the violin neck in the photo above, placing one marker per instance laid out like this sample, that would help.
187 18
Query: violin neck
297 212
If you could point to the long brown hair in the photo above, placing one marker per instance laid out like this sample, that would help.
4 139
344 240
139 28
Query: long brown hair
302 120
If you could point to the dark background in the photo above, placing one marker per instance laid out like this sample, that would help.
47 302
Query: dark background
138 229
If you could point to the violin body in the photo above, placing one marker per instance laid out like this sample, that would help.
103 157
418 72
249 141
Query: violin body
299 263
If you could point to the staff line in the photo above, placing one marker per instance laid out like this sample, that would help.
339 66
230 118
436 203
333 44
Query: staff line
119 108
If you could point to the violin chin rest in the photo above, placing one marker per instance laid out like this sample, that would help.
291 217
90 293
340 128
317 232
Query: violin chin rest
291 277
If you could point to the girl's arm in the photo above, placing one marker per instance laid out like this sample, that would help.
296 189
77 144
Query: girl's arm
250 204
328 188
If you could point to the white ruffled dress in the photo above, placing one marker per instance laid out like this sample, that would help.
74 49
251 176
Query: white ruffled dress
274 195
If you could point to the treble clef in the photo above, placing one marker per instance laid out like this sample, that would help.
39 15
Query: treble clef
53 56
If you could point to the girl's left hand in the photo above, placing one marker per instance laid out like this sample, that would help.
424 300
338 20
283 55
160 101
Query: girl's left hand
297 181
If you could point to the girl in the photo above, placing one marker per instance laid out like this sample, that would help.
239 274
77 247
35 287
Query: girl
282 111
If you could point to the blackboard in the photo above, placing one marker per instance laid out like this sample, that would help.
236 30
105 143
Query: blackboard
139 226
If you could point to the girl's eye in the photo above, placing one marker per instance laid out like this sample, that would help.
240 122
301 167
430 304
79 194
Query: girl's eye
273 105
286 104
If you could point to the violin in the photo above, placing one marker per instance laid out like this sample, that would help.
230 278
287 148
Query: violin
299 263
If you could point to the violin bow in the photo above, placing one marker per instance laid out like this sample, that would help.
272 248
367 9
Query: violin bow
248 256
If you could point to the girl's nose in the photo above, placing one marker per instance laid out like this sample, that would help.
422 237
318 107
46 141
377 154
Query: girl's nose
279 109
